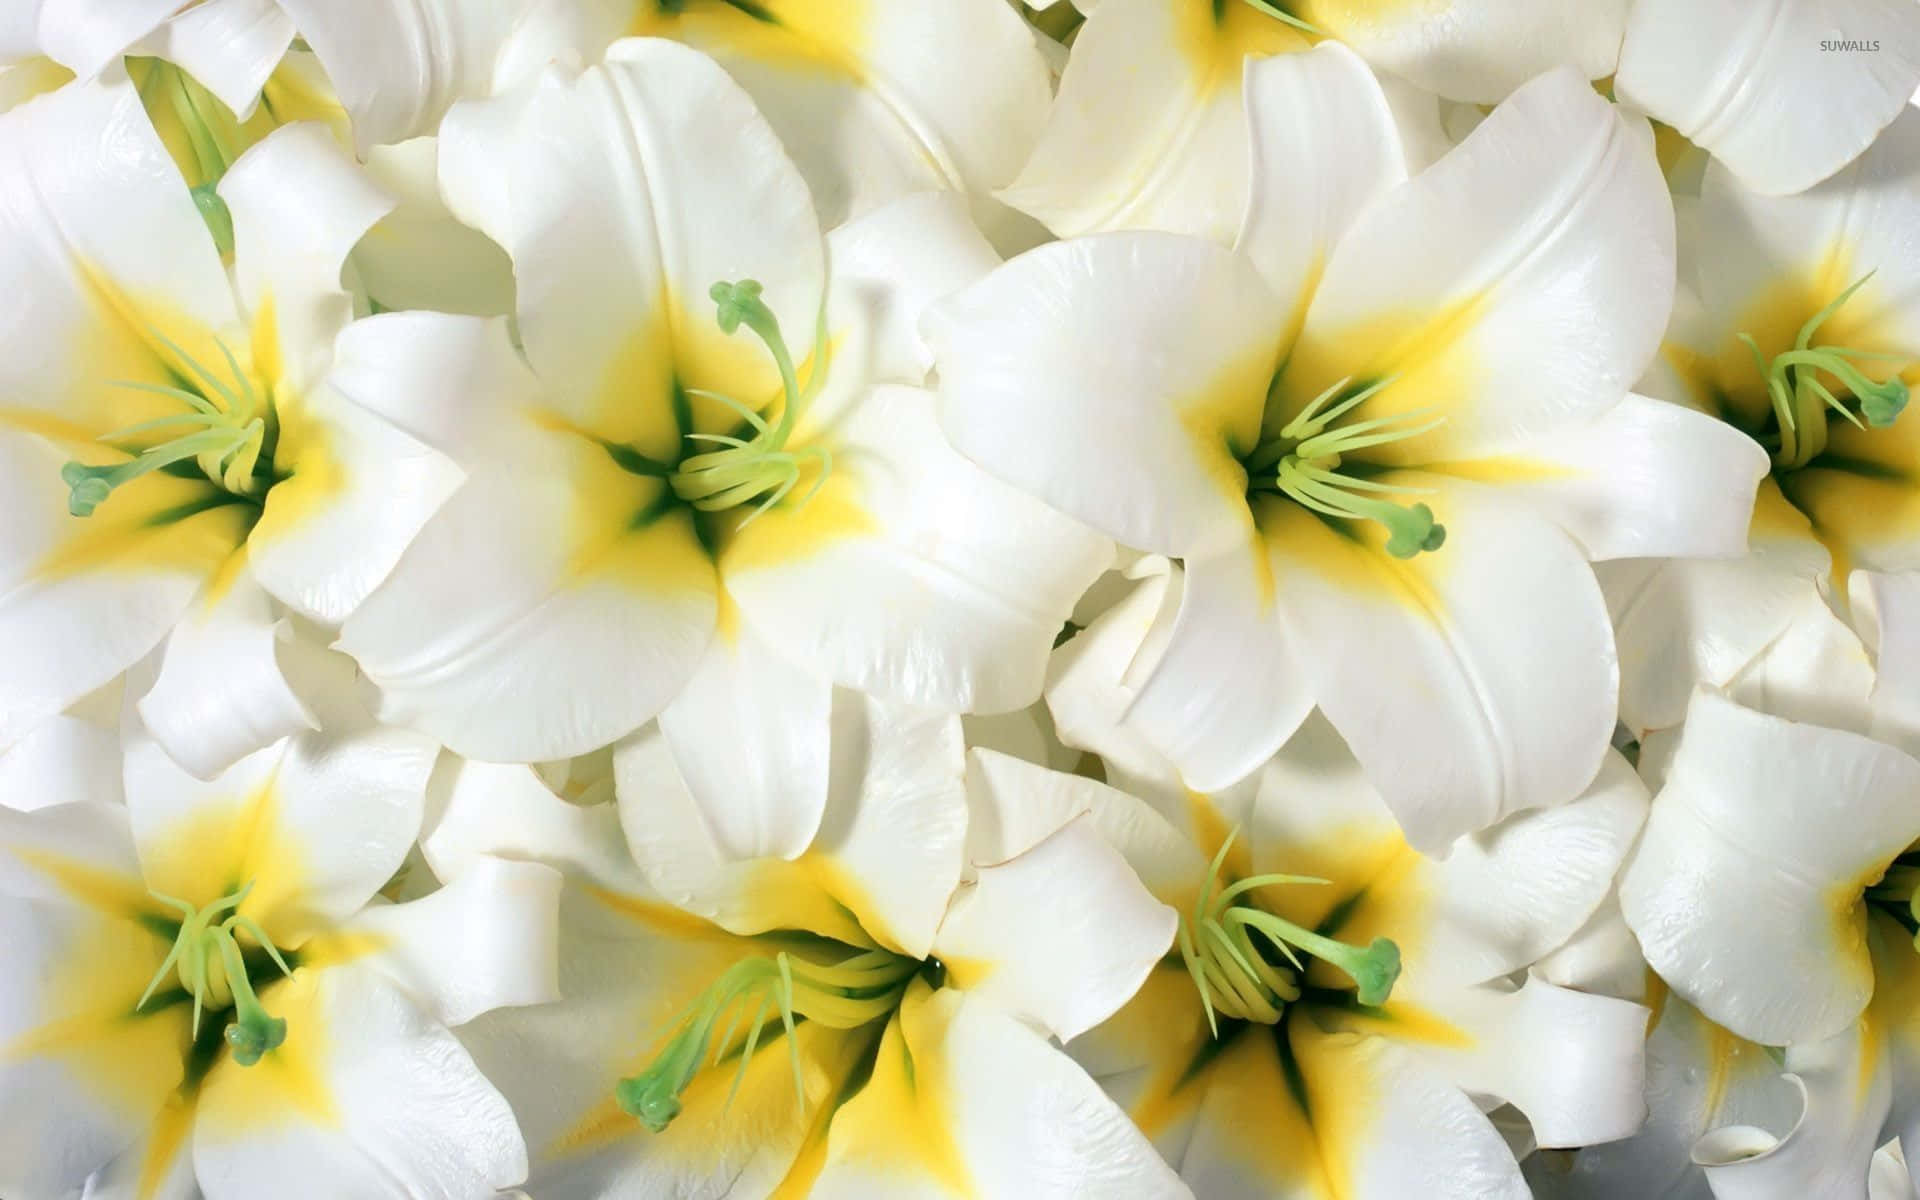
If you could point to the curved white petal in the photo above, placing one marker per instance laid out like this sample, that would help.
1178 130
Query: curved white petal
1808 818
298 205
888 267
1699 1077
1061 935
453 382
913 575
1520 284
487 939
751 736
40 849
1773 90
1828 1149
221 693
479 811
84 37
1476 50
1229 689
1504 897
622 195
1149 130
519 628
1889 606
316 824
357 492
230 47
880 100
1092 680
398 69
1817 671
1005 1113
1119 378
1643 479
419 256
83 1076
1014 805
1471 681
369 1094
881 867
1575 1064
63 761
1749 246
1325 145
1680 623
1378 1123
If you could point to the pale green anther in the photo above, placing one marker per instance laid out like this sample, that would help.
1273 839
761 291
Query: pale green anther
1802 401
1304 463
1232 974
761 466
206 957
229 434
864 987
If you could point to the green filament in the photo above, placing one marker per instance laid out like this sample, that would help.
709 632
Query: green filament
1236 976
761 466
1305 464
207 959
864 987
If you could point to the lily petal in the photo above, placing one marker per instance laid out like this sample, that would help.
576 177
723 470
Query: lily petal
1783 958
1745 81
1119 378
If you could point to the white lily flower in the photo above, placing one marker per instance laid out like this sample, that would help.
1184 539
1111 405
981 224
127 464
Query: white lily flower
855 1021
1783 94
1385 438
171 445
206 995
1732 1119
676 515
1149 125
1339 1003
1799 324
1813 950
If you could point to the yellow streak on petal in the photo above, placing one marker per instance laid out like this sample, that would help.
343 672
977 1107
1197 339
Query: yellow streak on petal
1351 555
1400 1021
792 531
1428 354
129 1060
224 844
1215 48
1165 1027
820 36
289 1083
816 893
1262 1126
901 1123
166 1138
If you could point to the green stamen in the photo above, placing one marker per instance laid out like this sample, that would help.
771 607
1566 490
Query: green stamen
1233 974
761 466
228 441
206 957
1801 401
1278 14
1304 464
865 987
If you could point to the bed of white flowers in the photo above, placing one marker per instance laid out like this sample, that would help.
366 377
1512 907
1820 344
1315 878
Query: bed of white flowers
678 599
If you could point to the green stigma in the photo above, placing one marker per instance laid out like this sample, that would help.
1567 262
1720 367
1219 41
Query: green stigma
227 431
761 466
1801 399
1237 978
1304 464
207 959
864 987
